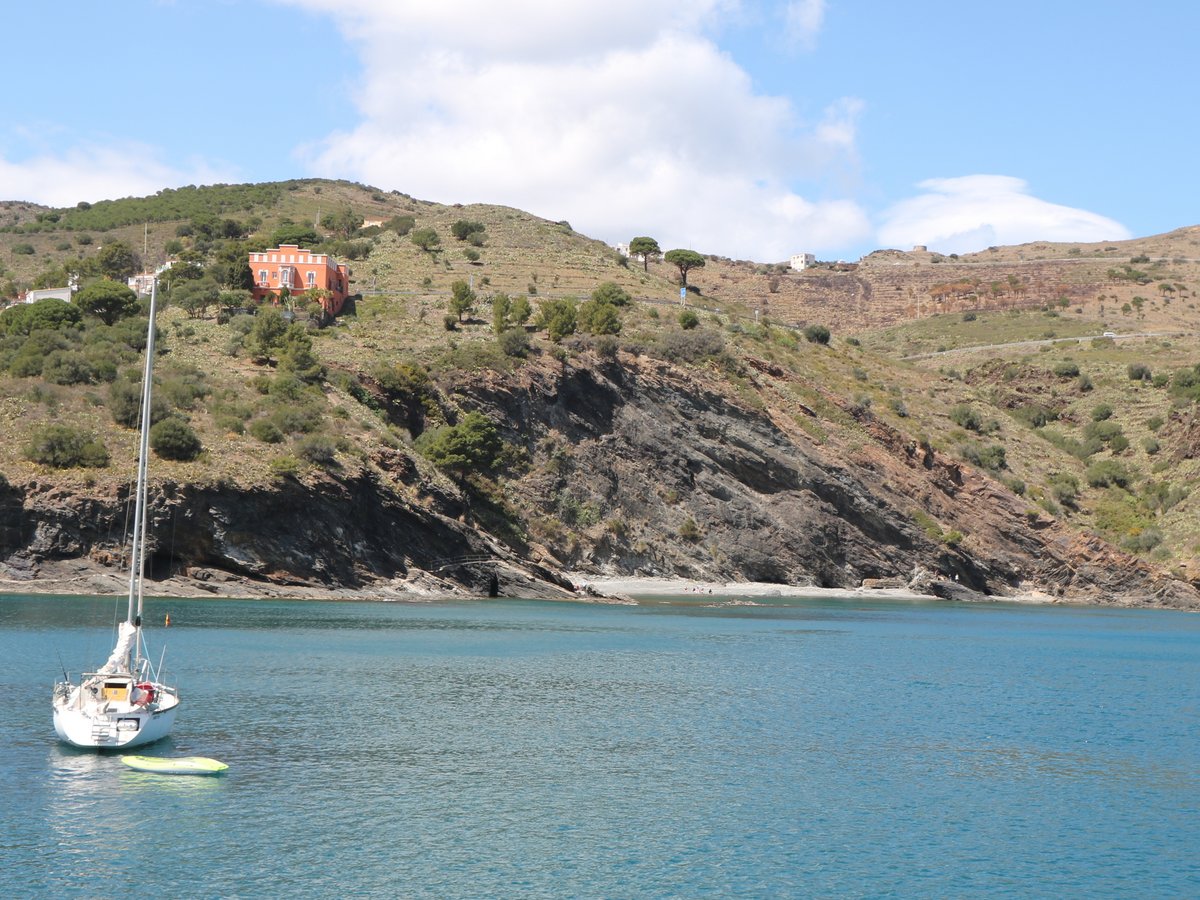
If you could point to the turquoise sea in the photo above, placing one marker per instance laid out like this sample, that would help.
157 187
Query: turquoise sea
698 747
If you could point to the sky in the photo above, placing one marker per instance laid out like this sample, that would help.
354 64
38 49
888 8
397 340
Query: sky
753 129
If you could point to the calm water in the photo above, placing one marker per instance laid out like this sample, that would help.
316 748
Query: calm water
522 749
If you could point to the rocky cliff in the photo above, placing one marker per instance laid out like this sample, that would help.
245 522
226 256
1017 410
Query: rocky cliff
630 466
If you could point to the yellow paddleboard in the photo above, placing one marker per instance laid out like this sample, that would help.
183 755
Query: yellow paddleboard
178 765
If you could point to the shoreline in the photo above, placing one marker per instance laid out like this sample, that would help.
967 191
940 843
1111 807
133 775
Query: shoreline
77 578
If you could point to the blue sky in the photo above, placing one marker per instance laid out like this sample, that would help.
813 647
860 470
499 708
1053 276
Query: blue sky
752 129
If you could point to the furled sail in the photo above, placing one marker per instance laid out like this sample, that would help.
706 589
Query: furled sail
118 661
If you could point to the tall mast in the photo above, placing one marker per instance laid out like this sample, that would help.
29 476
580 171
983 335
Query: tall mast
138 551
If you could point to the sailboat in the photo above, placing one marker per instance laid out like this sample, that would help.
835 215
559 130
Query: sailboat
124 703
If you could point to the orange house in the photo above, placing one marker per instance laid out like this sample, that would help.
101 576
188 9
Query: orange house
287 266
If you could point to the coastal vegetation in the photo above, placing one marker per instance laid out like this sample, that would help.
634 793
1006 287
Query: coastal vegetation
988 367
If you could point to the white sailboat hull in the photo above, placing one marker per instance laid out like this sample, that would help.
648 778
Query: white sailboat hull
90 725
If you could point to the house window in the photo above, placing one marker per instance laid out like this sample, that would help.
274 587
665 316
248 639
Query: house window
262 276
285 276
312 279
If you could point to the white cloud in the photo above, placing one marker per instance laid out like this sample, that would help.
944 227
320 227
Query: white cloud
963 215
622 117
95 172
803 20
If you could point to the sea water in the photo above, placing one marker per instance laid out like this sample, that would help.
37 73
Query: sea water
701 747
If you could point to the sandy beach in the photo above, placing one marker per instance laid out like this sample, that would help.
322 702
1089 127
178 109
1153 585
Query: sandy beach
674 587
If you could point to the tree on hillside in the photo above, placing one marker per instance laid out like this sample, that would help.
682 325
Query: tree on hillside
401 224
685 261
296 355
48 314
344 222
107 300
501 307
558 317
520 311
462 298
188 265
471 445
266 335
231 267
426 239
463 229
291 233
195 297
117 261
598 317
647 248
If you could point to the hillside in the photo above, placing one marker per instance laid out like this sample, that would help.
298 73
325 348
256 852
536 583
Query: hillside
967 424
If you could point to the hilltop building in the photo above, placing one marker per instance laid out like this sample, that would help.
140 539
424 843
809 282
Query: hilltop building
802 261
288 267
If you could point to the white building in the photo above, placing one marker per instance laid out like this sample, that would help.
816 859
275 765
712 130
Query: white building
802 261
62 293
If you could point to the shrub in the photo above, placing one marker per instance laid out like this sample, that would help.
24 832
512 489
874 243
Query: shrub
1104 431
1107 472
1154 423
1150 445
691 346
66 367
817 334
689 530
317 449
611 292
65 447
514 342
1139 372
286 466
965 416
462 229
266 431
990 456
598 317
1142 542
1102 412
23 249
472 444
1084 383
1035 415
1066 370
1065 488
688 320
173 438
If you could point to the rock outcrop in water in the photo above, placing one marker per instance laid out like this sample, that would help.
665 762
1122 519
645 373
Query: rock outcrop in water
633 466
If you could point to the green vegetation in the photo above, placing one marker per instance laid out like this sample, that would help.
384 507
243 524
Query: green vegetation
64 447
173 438
1100 429
107 300
684 261
647 248
472 445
